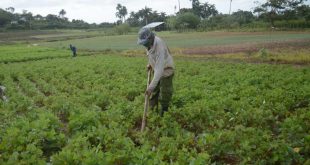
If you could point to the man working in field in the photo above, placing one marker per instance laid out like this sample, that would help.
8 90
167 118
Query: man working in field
160 60
73 49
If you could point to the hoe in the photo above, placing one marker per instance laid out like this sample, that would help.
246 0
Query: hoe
146 101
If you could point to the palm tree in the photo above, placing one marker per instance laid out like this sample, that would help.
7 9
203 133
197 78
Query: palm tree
62 13
145 13
121 12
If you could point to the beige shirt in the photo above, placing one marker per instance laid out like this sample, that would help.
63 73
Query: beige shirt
160 60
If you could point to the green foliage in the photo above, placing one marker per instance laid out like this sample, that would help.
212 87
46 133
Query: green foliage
243 17
273 10
203 10
145 16
177 40
171 22
88 110
121 11
263 53
292 24
79 151
29 138
23 53
5 17
187 20
122 29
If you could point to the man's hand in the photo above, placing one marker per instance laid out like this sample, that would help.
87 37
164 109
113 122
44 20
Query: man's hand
148 67
148 91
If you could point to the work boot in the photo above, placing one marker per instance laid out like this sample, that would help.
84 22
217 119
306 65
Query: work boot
163 110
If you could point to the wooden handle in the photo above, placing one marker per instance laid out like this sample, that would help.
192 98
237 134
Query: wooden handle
146 102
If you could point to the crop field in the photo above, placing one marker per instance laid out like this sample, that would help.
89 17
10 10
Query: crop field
36 36
183 40
88 110
264 47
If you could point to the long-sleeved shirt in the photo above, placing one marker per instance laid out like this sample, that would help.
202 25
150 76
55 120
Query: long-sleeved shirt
161 61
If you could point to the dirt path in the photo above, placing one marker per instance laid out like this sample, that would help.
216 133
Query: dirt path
247 47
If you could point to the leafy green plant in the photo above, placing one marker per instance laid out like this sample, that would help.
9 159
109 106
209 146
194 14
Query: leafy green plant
88 110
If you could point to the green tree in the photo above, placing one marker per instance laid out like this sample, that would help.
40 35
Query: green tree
121 12
62 13
5 17
274 9
208 10
171 22
243 17
145 14
196 7
10 9
187 20
122 29
203 10
133 19
27 19
185 10
38 17
303 11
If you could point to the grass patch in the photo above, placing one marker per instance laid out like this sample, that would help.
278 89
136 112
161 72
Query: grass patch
181 40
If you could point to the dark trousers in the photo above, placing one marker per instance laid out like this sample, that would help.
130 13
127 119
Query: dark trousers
163 94
74 54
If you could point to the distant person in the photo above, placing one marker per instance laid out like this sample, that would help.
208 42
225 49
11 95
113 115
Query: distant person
73 49
160 60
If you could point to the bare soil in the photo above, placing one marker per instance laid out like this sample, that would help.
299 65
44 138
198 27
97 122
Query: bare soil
247 47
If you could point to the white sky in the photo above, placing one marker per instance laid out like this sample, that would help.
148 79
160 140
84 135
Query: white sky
98 11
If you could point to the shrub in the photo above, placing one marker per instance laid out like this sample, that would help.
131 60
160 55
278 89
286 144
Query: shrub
122 29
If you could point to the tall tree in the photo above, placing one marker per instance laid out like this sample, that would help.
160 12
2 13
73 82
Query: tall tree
303 11
145 14
27 18
38 17
203 10
10 9
187 20
62 13
242 17
273 8
196 7
121 12
133 19
207 10
5 17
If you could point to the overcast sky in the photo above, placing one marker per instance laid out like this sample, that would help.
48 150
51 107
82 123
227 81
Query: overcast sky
98 11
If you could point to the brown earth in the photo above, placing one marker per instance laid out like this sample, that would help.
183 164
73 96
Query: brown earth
247 47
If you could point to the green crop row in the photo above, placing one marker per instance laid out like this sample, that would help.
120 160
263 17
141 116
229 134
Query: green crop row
88 110
181 40
24 53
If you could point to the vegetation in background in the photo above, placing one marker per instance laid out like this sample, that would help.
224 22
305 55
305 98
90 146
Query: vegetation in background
182 41
280 14
121 12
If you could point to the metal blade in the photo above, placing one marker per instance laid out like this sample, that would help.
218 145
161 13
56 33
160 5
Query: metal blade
153 25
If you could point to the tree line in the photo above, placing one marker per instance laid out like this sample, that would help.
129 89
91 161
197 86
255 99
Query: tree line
11 20
201 16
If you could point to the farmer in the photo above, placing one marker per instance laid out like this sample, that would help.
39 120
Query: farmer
160 60
73 49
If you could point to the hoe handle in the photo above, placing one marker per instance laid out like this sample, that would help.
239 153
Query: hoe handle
146 101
